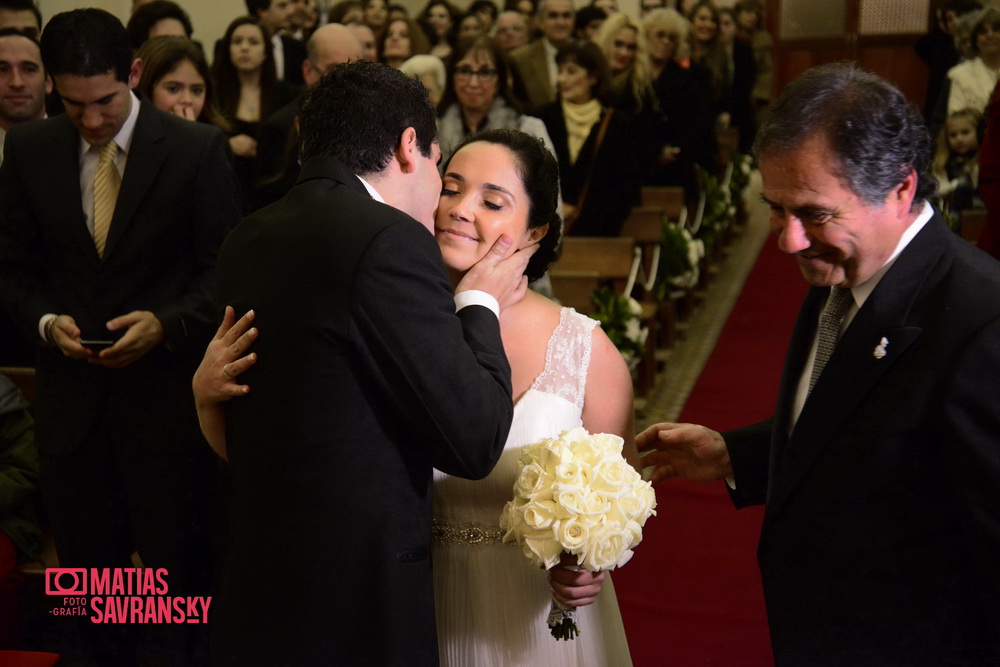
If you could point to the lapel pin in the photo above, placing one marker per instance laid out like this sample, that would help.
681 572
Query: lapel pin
880 348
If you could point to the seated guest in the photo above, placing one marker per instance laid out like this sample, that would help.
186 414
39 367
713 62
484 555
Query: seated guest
278 140
430 71
510 30
750 29
365 36
376 17
623 42
21 15
741 77
176 79
534 63
22 99
346 11
477 97
487 12
684 92
973 81
248 92
470 25
588 21
594 144
438 19
275 18
403 40
19 533
157 19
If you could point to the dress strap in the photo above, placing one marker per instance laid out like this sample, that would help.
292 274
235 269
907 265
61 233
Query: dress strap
567 358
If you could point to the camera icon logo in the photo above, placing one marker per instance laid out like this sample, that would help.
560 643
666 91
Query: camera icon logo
66 581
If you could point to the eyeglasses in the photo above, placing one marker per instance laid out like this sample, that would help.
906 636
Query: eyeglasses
465 74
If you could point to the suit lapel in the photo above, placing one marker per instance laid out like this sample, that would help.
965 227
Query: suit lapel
146 156
857 365
64 170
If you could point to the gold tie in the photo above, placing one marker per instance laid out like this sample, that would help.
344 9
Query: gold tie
106 183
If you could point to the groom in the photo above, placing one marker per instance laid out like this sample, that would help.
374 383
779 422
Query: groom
371 380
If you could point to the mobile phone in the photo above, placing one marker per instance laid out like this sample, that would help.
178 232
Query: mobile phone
97 344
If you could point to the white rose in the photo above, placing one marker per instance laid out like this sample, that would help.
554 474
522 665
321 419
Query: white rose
646 498
540 514
572 473
633 307
596 504
569 499
510 519
606 547
542 550
586 452
572 534
531 481
611 475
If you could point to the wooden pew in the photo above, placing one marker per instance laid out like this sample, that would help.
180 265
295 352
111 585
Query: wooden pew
587 262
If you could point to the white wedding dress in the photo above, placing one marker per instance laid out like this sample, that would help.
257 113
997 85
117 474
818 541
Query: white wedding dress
491 602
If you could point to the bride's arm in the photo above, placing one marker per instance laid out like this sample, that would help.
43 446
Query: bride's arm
215 380
607 402
607 408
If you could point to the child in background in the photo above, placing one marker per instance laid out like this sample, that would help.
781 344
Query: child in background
956 161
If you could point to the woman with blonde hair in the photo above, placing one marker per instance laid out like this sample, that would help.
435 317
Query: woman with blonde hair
624 44
684 92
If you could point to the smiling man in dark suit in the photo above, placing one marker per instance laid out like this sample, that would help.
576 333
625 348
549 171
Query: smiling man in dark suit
112 216
880 469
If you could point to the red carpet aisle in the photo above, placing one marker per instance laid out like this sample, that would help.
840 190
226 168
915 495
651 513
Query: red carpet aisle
692 595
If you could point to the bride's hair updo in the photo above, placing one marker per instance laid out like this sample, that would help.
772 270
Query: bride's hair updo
539 174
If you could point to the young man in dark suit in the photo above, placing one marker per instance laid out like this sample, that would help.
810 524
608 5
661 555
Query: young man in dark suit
880 467
289 53
371 381
112 216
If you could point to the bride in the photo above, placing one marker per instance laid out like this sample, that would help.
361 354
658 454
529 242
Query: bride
491 603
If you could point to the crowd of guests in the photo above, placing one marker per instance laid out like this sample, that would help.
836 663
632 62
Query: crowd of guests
599 86
962 54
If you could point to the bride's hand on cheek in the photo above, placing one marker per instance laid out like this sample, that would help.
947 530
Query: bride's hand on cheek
500 273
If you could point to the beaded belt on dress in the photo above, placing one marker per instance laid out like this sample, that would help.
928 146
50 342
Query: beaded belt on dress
465 533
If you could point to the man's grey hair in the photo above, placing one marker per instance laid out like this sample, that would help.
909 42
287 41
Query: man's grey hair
876 135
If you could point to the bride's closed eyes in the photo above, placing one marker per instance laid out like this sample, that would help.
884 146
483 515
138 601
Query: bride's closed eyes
495 197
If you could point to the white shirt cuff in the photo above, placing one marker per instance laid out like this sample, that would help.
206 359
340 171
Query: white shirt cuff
474 297
44 322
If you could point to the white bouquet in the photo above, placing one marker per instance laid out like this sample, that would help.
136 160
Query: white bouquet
576 494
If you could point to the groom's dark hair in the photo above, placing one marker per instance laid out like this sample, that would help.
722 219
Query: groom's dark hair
357 113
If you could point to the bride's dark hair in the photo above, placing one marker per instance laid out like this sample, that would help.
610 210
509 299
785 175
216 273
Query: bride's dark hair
539 174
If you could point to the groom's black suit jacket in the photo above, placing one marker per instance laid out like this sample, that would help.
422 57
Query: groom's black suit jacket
881 532
367 380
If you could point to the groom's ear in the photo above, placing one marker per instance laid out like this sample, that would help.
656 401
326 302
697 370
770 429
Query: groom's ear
407 150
